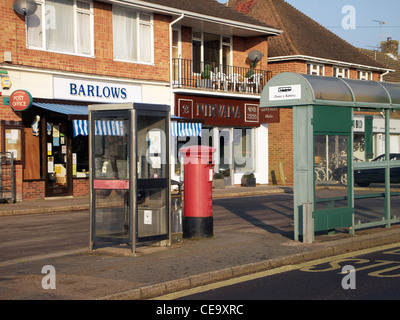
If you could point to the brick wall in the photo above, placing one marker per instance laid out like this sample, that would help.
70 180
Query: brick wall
33 190
13 39
81 187
287 66
280 148
242 47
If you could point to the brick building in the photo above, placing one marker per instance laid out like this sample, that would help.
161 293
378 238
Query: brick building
304 47
67 54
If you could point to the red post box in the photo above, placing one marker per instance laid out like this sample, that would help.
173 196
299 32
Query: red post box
198 177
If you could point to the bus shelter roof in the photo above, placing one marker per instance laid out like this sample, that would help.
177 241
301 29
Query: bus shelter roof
290 89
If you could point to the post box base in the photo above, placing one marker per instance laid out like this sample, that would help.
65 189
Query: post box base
197 227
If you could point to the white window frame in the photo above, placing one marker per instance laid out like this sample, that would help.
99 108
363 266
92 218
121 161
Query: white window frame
364 75
44 21
316 69
340 72
139 22
221 44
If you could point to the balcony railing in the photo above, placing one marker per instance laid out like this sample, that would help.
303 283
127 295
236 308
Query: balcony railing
199 75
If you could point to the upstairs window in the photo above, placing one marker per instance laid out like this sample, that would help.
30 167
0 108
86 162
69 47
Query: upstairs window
364 75
315 69
61 26
133 35
340 72
212 49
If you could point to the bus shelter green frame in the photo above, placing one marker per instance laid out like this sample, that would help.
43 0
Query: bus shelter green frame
326 105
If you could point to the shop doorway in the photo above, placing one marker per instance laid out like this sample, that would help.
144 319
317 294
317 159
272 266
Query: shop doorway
225 156
58 161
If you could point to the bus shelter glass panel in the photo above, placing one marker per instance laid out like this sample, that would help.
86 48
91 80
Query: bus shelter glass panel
331 157
111 175
153 176
375 198
395 193
369 202
331 167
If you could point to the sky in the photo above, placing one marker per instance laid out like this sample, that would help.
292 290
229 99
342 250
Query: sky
353 20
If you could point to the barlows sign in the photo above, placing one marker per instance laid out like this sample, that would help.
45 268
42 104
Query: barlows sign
74 89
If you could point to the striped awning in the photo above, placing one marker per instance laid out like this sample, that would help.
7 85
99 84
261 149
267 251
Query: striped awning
102 128
80 127
116 128
186 129
109 128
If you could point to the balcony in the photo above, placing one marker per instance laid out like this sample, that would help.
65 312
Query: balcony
223 78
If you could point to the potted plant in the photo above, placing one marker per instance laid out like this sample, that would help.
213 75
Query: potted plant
248 180
206 77
227 176
218 181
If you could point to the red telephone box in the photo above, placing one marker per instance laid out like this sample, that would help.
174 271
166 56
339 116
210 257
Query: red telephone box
198 177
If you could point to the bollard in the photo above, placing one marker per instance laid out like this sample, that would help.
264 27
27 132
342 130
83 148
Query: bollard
308 227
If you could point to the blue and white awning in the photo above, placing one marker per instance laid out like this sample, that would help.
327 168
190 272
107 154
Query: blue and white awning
183 129
80 127
109 128
67 109
116 128
102 128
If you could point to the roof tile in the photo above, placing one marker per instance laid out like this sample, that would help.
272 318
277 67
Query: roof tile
302 35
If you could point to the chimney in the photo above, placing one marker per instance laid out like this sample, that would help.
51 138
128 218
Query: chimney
390 47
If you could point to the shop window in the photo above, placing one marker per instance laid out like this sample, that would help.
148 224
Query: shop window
243 149
61 26
132 35
80 156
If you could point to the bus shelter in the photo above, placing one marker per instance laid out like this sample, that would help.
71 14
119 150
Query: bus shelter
129 174
337 173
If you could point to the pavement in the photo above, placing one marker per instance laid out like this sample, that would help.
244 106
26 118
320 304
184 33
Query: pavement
245 241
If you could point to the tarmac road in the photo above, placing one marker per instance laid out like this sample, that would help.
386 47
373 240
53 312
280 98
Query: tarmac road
251 234
376 276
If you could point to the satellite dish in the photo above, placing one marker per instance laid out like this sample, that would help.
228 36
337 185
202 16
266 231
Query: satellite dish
24 7
255 55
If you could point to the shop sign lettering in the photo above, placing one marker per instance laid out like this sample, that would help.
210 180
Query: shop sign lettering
97 91
269 115
101 91
219 111
20 100
287 92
